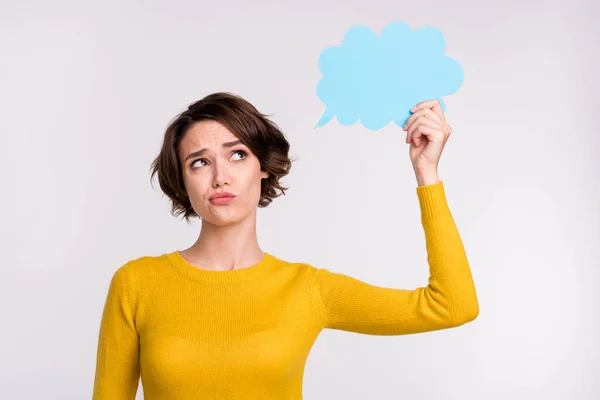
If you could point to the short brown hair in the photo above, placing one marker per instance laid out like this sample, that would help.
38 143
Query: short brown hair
254 129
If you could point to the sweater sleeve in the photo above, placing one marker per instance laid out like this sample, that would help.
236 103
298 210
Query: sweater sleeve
117 363
449 300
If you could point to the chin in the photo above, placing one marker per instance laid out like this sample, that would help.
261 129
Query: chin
225 217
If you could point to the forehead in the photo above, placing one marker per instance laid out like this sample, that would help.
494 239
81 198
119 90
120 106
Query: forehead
207 133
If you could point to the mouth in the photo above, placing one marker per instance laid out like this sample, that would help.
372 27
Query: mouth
222 199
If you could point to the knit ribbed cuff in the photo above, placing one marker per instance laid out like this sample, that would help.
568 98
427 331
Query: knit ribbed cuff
432 201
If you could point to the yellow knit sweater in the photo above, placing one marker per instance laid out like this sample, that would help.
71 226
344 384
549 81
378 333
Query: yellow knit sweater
191 333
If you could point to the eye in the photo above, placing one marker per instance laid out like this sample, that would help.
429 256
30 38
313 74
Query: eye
241 152
194 162
244 154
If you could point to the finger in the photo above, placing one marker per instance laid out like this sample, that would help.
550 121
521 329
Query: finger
442 130
426 122
423 132
425 111
434 104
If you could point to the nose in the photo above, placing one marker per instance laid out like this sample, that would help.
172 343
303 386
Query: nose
221 174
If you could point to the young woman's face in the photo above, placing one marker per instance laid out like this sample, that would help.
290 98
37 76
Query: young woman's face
222 167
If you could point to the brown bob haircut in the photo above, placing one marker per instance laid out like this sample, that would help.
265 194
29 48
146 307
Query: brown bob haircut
253 129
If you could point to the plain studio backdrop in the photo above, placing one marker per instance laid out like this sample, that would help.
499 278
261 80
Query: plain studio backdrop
87 89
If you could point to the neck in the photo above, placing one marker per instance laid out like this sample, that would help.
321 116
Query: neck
225 248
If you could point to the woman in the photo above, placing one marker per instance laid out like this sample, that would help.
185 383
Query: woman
225 320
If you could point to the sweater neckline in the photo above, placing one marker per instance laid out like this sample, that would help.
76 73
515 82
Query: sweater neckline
265 265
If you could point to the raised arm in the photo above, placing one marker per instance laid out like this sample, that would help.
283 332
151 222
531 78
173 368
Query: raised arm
449 300
117 362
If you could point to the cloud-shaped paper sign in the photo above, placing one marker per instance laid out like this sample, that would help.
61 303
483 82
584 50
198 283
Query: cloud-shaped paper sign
378 79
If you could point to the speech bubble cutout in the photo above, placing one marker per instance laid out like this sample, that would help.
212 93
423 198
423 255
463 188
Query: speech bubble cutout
378 79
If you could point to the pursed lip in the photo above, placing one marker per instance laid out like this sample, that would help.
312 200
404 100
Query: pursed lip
221 194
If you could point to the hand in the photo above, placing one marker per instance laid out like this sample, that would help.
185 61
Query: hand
427 132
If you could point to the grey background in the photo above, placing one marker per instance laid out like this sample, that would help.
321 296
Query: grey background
87 89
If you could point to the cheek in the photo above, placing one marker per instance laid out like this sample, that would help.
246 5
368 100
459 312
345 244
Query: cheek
254 187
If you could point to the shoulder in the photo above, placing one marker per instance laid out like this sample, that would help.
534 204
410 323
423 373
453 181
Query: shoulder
142 263
303 270
134 271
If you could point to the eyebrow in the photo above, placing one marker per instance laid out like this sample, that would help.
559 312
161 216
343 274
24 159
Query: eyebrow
202 151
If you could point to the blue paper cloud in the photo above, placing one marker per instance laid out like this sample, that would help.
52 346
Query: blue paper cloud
378 79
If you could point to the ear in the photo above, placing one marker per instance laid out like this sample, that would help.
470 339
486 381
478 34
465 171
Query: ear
264 174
